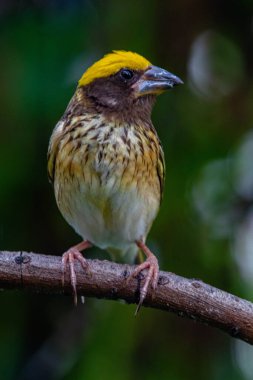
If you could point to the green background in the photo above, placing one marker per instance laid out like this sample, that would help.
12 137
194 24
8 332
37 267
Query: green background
205 224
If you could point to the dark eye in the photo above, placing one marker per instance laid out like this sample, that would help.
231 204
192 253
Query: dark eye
126 74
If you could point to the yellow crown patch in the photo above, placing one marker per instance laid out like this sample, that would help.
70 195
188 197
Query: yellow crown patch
111 63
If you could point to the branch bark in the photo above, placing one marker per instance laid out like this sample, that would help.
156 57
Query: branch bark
189 298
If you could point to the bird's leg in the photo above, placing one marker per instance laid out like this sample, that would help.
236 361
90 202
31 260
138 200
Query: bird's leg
151 264
70 256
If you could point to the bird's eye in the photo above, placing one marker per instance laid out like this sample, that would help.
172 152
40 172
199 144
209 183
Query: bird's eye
126 74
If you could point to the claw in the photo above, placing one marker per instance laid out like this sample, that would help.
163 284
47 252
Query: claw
69 257
151 264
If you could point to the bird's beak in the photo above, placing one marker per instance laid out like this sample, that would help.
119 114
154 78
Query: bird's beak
154 81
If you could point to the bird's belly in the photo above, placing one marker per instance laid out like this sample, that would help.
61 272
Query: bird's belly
111 216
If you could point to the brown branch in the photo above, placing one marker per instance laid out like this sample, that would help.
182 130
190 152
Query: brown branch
187 297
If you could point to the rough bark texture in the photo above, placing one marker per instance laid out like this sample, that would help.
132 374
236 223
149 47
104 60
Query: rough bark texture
187 297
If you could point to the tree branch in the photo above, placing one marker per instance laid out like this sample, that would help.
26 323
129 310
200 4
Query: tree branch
187 297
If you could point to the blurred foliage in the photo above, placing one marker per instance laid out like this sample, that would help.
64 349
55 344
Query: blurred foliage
205 225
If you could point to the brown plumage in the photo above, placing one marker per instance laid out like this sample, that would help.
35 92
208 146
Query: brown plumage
106 161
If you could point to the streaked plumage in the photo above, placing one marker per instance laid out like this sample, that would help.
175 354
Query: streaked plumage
105 159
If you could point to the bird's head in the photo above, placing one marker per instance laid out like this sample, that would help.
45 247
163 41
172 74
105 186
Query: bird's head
123 81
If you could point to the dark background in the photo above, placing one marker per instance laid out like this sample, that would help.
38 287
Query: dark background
205 226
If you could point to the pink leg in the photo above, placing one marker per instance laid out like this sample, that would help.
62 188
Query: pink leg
151 264
70 256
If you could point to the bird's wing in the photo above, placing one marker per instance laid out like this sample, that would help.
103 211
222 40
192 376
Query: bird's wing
161 171
53 149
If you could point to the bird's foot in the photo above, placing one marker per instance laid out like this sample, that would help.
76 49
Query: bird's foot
69 257
151 279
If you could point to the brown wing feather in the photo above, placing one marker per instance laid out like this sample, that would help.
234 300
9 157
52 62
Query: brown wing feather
161 171
53 150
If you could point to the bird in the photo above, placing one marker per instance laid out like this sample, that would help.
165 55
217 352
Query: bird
106 162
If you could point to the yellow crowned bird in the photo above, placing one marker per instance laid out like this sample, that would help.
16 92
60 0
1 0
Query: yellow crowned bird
106 162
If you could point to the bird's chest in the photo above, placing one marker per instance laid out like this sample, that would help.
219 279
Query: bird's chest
108 158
